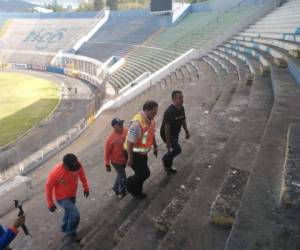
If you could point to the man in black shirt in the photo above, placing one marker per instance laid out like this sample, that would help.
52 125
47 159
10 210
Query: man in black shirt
173 120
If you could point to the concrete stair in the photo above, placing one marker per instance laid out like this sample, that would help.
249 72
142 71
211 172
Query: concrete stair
159 90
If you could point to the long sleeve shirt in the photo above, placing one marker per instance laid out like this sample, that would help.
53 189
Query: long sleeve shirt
114 148
6 236
63 183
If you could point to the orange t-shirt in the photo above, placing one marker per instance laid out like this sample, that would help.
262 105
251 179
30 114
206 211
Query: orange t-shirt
114 148
64 183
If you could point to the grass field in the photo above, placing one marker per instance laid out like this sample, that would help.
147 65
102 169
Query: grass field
25 101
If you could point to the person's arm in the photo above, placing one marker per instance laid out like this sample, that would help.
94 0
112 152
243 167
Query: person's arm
133 133
107 153
168 135
49 189
83 179
130 153
187 133
155 152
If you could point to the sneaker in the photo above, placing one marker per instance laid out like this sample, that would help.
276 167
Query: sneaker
74 238
171 171
116 191
121 195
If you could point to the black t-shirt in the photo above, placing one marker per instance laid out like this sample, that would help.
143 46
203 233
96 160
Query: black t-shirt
174 117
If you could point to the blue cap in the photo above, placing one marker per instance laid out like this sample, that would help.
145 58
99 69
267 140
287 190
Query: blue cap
117 121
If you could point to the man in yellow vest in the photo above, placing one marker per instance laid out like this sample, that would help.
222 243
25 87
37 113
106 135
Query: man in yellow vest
139 142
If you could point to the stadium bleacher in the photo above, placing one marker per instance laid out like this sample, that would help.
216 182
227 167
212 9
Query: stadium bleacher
134 27
240 168
245 165
171 42
35 39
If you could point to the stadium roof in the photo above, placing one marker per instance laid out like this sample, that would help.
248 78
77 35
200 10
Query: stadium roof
15 6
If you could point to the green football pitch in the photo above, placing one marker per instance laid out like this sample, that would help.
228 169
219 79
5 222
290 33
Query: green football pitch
25 101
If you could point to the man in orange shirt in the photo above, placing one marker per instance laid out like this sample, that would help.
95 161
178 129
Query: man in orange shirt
115 155
63 182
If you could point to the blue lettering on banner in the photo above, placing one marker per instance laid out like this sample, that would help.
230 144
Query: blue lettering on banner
42 38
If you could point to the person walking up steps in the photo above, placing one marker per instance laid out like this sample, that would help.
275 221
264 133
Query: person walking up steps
173 119
140 139
115 155
63 182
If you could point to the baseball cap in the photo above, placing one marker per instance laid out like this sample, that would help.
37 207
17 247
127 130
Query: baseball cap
117 121
70 160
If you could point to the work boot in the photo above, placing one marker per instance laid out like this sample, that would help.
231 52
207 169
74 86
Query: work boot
141 196
74 238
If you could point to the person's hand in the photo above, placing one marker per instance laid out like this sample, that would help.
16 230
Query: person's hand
108 168
129 162
20 221
52 208
169 146
86 194
155 151
187 135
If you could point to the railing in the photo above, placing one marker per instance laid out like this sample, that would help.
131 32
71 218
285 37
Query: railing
82 67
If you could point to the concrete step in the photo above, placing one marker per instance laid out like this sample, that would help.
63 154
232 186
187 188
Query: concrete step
215 66
290 188
193 70
258 209
158 181
184 222
192 229
252 63
164 208
264 61
248 136
243 71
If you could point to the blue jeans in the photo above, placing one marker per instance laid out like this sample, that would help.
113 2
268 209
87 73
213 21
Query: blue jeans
119 185
71 217
169 156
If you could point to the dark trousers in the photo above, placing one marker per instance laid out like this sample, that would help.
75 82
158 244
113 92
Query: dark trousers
170 155
141 173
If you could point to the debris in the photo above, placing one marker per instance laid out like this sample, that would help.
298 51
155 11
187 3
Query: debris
198 179
209 166
206 112
182 186
235 119
234 171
